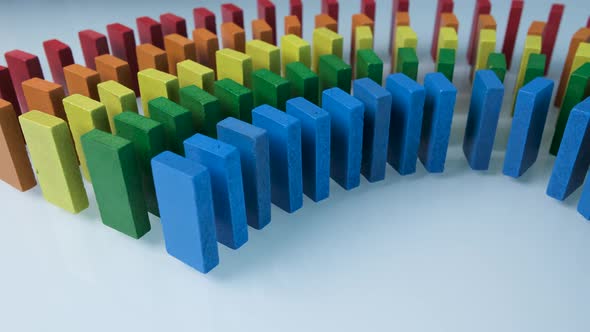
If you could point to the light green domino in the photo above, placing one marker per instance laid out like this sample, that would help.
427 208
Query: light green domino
153 84
117 99
264 56
193 73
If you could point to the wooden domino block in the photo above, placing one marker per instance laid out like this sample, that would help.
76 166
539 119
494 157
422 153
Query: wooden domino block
233 37
443 6
363 40
235 65
117 99
449 20
486 44
497 64
405 37
193 73
7 91
270 88
235 100
44 96
330 7
295 49
304 82
334 72
232 13
264 56
550 32
178 49
82 80
204 18
407 62
368 64
93 44
536 28
111 68
485 22
296 9
293 26
267 11
368 8
153 84
482 7
123 46
22 66
15 168
402 20
262 31
512 30
173 24
150 56
445 63
581 36
205 108
447 38
150 31
58 56
177 122
326 41
54 160
325 21
399 6
206 45
532 45
361 20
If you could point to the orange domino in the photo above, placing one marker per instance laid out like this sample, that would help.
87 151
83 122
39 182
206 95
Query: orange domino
111 68
150 56
206 44
178 48
262 31
402 19
485 22
232 36
536 28
449 20
45 96
581 36
15 168
292 25
326 21
357 21
82 80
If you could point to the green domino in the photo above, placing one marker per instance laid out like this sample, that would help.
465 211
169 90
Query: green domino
270 88
534 68
148 138
112 164
334 73
235 99
577 90
205 108
497 64
407 62
368 64
446 63
304 82
177 122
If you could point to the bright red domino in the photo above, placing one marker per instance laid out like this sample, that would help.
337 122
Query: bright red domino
550 32
368 8
588 23
93 44
150 31
330 7
7 89
398 6
204 18
173 24
267 12
232 13
296 9
482 7
22 66
58 56
444 6
123 47
512 30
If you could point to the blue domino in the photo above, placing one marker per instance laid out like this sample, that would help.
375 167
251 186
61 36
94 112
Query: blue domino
284 135
223 162
530 114
377 101
183 189
315 147
347 115
407 110
439 106
252 143
482 121
573 158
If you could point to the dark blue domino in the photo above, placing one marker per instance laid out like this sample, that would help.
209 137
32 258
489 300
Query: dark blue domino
406 122
530 114
315 147
439 106
183 189
347 115
223 162
482 121
252 143
377 101
284 135
573 157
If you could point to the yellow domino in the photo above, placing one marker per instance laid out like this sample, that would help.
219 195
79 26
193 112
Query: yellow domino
447 38
234 65
532 45
54 160
581 56
485 46
363 37
117 99
84 114
264 55
295 49
326 41
153 84
405 37
194 73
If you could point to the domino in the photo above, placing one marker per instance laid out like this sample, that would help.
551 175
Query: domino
204 18
368 8
399 6
233 37
401 19
206 45
177 122
405 37
407 110
315 147
443 6
267 11
497 64
581 57
325 42
264 56
153 84
232 13
325 21
44 96
449 20
223 162
532 45
15 168
7 91
22 66
116 182
296 9
293 26
284 136
82 80
445 63
111 68
123 46
235 100
407 62
178 49
536 28
59 55
262 31
362 34
514 17
150 31
84 114
482 7
193 73
482 120
148 139
330 7
486 44
116 99
270 88
530 114
234 65
550 32
184 193
377 102
54 160
581 36
253 146
304 82
93 44
295 49
368 64
150 56
534 68
204 107
173 24
333 72
447 38
573 158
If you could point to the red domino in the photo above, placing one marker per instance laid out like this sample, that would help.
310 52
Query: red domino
444 6
93 44
58 56
173 24
267 12
123 47
330 7
22 66
482 7
150 31
296 9
232 13
7 89
204 18
398 6
512 30
368 8
588 23
550 32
